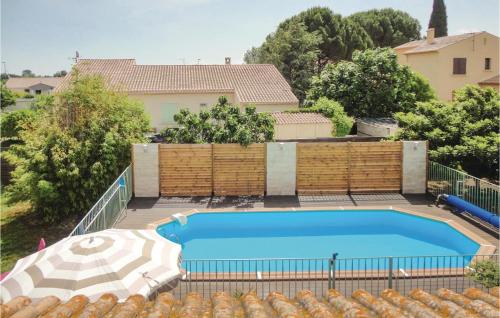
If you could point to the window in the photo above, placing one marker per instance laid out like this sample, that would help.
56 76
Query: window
26 90
38 91
459 65
203 105
487 63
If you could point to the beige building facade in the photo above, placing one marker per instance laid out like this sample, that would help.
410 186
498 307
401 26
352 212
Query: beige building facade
296 126
451 62
166 89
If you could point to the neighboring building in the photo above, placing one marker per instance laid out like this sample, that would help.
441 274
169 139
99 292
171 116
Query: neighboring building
451 62
165 89
376 127
33 85
301 126
491 82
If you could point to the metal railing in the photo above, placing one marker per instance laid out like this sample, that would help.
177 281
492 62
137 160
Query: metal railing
288 276
109 207
445 180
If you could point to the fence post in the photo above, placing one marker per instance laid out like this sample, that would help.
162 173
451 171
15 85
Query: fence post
331 271
389 283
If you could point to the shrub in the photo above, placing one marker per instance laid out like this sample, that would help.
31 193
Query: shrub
75 148
342 123
13 122
374 84
223 123
462 134
486 273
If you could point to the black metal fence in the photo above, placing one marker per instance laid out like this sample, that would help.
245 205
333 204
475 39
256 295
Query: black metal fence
289 276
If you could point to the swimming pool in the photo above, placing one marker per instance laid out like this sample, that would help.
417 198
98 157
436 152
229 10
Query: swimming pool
316 234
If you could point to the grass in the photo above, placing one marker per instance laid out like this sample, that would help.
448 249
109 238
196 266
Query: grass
21 230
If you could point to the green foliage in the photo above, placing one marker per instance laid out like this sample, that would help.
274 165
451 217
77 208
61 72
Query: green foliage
14 122
388 27
439 19
486 273
60 73
461 134
304 44
223 123
294 52
342 123
75 148
374 84
27 73
7 97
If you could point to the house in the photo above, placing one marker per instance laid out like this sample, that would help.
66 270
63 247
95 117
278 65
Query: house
451 62
165 89
33 85
291 126
376 127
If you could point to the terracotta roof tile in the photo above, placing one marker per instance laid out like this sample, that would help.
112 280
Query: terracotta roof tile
420 46
419 303
252 83
283 118
25 82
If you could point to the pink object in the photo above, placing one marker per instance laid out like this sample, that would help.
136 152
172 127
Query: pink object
3 275
41 244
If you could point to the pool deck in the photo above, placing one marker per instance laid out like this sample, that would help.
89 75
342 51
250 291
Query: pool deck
142 212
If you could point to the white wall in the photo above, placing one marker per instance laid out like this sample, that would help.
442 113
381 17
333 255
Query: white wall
414 167
375 130
281 168
146 169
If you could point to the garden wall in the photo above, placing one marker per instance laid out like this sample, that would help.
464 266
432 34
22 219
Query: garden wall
285 168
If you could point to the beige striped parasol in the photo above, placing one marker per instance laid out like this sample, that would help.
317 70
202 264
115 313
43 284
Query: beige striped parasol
123 262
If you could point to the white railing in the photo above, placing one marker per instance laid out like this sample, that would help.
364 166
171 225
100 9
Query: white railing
104 214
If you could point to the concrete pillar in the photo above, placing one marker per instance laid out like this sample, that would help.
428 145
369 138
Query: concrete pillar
414 166
146 170
281 168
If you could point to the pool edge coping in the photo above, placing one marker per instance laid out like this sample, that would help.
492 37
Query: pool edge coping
485 247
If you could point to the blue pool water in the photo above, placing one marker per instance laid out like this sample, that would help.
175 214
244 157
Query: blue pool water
319 234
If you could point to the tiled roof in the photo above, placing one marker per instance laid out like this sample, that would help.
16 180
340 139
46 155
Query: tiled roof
420 46
443 303
25 82
491 80
252 83
283 118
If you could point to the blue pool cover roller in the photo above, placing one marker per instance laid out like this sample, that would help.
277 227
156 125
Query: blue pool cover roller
463 206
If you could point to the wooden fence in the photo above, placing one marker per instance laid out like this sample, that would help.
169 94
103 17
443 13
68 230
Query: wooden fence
322 168
239 170
185 170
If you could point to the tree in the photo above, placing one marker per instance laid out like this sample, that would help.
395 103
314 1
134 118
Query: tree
374 84
294 52
224 123
28 73
60 73
388 27
439 19
342 123
461 134
74 149
7 97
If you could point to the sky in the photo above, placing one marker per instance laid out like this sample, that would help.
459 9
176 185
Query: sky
43 35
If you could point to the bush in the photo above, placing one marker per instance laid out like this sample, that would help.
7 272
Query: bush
342 123
13 122
462 134
486 273
374 84
223 123
75 148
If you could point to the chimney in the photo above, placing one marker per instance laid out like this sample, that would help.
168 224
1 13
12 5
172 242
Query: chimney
430 35
227 60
